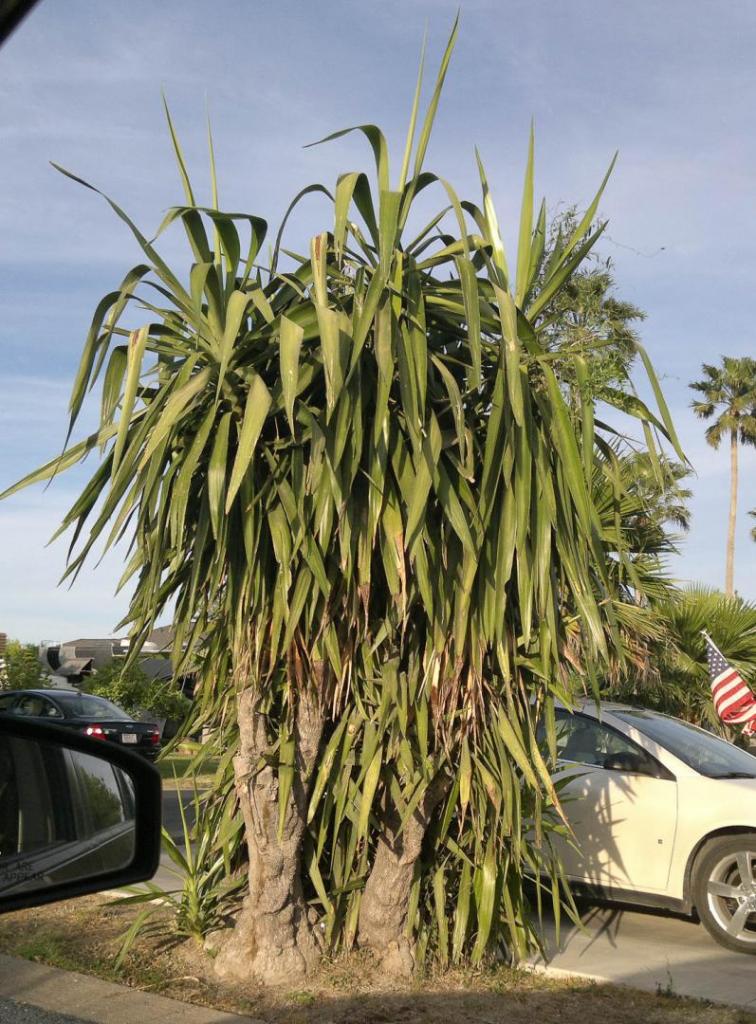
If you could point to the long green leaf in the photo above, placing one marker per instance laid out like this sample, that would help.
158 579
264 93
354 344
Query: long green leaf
255 413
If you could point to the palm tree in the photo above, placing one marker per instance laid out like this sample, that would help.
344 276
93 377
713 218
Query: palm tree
678 682
729 393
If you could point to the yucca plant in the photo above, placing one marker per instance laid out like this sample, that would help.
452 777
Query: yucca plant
206 885
353 475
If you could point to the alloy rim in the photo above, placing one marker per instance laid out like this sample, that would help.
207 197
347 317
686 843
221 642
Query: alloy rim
731 895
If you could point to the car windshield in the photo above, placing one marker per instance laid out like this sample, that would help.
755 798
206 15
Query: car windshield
84 705
708 754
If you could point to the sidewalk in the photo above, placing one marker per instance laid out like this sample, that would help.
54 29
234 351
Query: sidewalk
99 1002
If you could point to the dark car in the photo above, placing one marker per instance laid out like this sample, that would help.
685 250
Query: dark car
87 714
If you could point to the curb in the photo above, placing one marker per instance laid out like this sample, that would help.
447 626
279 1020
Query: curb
99 1002
561 973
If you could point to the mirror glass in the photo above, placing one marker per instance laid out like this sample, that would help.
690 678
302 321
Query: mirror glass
64 816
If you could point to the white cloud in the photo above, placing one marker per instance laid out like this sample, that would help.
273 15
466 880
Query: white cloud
671 85
32 605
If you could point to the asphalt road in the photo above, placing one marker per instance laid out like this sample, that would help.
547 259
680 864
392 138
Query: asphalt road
653 951
12 1012
172 814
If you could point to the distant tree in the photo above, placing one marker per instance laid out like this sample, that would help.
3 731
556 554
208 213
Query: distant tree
752 513
642 507
650 515
586 317
659 485
729 393
23 668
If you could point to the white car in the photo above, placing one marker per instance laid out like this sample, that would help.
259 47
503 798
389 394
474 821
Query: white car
664 815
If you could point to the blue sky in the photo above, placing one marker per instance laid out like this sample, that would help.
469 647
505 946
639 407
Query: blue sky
671 85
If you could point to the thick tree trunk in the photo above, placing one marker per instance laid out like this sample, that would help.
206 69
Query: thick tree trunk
385 901
730 570
272 941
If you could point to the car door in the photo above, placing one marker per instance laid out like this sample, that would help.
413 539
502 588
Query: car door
621 804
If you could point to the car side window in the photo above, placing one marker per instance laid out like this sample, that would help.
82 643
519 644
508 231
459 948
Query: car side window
6 702
50 710
586 741
27 706
35 706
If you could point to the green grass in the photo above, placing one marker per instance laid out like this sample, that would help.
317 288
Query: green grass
48 949
176 765
55 950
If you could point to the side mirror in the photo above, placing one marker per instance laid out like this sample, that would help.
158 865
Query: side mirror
76 815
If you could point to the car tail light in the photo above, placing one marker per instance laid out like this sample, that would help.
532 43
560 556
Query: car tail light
95 731
154 736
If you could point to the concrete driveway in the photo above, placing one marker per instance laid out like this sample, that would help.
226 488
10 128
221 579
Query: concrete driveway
652 951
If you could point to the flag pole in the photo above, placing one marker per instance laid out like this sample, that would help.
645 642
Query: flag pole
707 637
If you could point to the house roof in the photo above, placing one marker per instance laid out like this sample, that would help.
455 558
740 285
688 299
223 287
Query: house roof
161 638
156 668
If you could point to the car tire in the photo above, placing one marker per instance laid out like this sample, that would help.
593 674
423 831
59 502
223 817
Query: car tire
724 891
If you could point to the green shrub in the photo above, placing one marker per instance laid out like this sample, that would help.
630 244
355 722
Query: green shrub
134 691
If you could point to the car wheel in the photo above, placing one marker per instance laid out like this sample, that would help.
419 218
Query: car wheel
724 891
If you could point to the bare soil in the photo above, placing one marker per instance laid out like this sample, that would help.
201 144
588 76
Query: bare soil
83 935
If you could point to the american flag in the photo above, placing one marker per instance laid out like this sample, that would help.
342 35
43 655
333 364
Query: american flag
733 699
